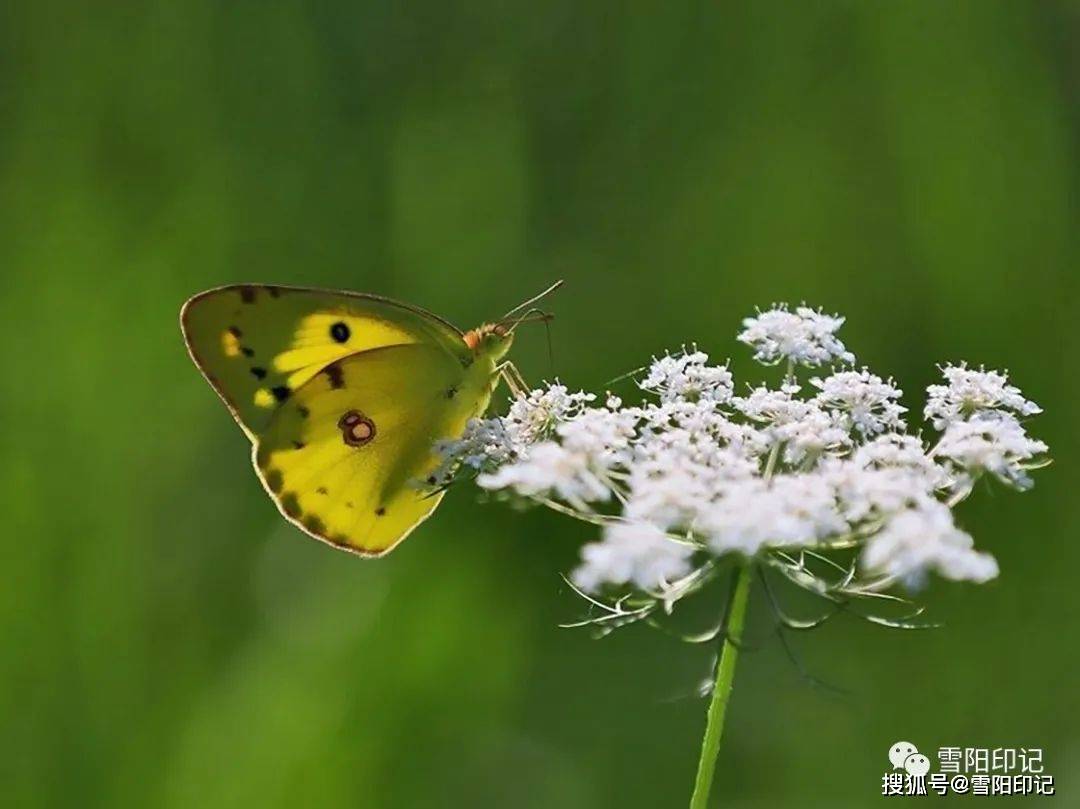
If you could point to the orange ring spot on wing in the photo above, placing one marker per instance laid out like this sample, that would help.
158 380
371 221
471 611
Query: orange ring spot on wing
356 428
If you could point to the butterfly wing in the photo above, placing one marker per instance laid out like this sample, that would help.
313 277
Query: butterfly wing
257 345
343 455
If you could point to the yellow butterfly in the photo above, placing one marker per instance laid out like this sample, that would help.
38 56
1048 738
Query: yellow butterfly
343 395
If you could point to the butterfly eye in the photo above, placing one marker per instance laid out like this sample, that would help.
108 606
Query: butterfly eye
340 332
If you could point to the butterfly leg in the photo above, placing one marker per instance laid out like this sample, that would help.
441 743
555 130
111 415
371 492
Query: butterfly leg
514 380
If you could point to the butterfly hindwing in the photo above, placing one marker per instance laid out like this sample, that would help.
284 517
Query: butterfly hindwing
258 345
343 456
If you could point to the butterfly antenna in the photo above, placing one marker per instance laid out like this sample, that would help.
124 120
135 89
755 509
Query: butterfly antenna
534 299
533 315
551 354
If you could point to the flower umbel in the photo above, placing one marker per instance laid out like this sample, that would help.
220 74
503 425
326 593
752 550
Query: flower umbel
815 482
694 473
862 401
970 393
804 337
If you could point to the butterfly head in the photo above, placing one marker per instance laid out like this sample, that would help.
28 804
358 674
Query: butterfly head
490 339
495 339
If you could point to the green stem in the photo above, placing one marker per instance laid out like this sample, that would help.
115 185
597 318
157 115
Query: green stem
734 619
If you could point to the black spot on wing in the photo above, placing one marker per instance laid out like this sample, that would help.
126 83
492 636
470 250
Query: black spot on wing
298 444
247 294
275 292
314 525
247 352
258 373
322 490
281 392
235 332
380 511
340 332
335 375
303 411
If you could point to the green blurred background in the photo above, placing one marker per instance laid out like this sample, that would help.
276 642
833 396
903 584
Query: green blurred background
169 641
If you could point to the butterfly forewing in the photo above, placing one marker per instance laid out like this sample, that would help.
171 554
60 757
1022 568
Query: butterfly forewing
257 345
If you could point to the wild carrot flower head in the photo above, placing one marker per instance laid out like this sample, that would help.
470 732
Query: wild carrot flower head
818 469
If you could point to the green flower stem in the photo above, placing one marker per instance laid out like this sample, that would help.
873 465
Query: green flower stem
734 619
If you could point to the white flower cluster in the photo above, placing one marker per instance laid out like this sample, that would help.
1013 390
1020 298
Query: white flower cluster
867 403
686 377
803 337
971 393
489 443
695 472
979 413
